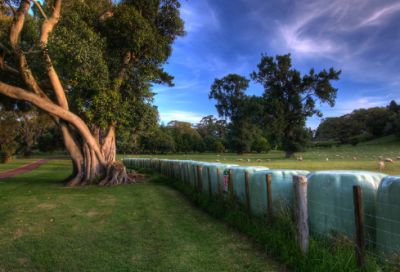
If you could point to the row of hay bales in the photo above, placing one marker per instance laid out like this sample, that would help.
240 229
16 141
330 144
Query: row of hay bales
329 195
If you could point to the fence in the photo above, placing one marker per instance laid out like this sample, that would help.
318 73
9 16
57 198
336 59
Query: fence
355 207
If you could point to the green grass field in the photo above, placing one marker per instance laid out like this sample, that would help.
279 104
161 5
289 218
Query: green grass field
143 227
15 163
313 160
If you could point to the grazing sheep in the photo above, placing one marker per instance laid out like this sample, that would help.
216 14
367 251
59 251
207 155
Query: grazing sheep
373 157
342 158
365 156
217 160
327 159
217 155
248 160
398 158
354 158
319 155
300 159
381 158
381 165
259 160
224 159
267 160
388 160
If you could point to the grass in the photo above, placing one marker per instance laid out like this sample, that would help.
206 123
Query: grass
313 160
143 227
15 163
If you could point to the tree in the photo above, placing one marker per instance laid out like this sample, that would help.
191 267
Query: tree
209 141
187 142
232 103
260 145
176 135
8 132
201 146
184 127
168 144
32 125
196 139
105 55
50 141
290 98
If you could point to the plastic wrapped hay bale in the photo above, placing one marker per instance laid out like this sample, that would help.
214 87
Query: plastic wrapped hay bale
238 173
388 215
281 185
330 201
214 177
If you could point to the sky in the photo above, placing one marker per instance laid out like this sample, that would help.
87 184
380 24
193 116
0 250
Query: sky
359 37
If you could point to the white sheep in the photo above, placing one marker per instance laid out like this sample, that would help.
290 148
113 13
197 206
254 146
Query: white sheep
388 160
259 160
217 160
342 158
224 159
248 160
300 159
354 158
267 160
217 155
381 165
327 159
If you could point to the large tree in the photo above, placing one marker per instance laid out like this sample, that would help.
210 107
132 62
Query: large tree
232 103
290 98
89 62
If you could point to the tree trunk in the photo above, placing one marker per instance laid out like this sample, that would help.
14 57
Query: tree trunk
289 154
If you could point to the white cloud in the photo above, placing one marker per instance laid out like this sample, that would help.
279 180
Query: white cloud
186 116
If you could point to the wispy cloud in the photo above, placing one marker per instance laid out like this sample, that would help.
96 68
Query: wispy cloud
186 116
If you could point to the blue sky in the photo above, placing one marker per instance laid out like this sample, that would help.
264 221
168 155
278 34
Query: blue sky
360 37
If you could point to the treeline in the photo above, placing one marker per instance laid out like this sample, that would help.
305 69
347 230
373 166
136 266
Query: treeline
209 135
372 123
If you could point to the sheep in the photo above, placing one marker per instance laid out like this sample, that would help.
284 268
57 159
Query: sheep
327 159
217 160
248 160
217 155
224 159
354 158
342 158
337 155
373 157
365 156
381 165
267 160
300 159
388 160
381 158
398 158
259 160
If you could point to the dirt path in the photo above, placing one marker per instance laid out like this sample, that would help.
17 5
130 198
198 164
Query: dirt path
26 168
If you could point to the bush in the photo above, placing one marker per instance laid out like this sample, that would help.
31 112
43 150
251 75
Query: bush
26 153
354 141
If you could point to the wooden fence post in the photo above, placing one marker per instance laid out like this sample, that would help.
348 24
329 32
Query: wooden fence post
194 177
209 181
151 163
200 178
247 186
269 200
188 175
300 211
359 218
219 186
163 168
231 189
173 170
159 167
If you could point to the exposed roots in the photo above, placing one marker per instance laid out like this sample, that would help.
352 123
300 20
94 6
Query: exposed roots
116 175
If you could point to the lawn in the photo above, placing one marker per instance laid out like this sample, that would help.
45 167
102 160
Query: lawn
15 163
143 227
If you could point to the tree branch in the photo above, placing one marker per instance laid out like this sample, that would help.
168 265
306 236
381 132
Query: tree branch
39 8
51 108
11 7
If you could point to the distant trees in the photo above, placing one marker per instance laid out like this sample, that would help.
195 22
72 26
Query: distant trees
260 145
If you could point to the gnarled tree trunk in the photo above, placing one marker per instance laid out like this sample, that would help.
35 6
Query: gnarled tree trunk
90 160
289 154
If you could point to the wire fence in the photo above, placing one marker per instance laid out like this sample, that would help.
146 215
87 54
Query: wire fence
330 204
